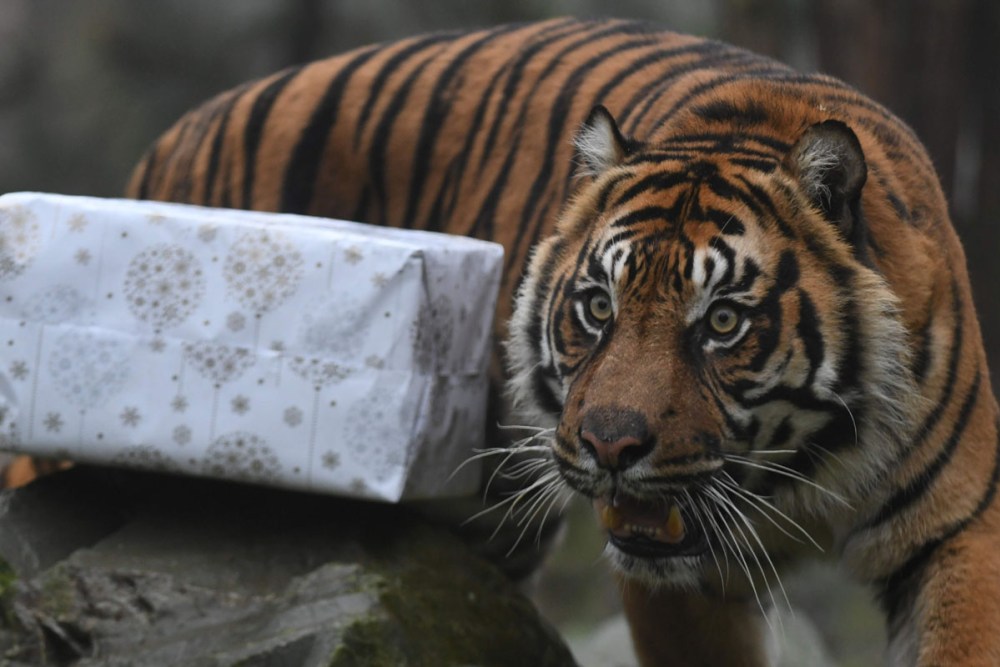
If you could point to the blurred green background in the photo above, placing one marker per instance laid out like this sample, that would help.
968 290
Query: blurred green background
86 85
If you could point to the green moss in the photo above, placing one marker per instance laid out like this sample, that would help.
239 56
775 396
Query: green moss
369 643
7 579
450 609
58 594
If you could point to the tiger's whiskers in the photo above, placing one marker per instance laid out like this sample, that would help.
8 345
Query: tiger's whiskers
534 502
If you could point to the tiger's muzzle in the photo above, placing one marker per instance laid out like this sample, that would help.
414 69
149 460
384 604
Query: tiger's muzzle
647 509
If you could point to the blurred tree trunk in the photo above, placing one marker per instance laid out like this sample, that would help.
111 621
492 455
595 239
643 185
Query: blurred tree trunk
935 64
762 26
979 162
910 55
305 33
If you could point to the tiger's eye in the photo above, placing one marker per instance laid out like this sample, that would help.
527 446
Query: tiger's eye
723 319
600 307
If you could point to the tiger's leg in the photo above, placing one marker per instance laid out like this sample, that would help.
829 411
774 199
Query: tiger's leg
952 616
21 470
688 629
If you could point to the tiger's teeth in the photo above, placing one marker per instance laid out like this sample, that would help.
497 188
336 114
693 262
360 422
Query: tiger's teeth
674 529
611 518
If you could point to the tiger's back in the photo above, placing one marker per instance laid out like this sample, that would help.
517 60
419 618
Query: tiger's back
473 134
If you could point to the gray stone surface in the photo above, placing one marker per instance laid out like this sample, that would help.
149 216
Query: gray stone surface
112 568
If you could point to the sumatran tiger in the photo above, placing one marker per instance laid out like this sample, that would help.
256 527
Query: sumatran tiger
734 305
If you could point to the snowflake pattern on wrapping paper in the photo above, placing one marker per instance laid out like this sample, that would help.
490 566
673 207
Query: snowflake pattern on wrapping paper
163 285
77 223
240 404
330 460
236 322
88 369
207 233
432 334
182 435
353 255
379 431
20 239
318 372
19 370
292 416
61 303
53 422
333 328
217 362
144 457
10 434
242 456
130 416
262 269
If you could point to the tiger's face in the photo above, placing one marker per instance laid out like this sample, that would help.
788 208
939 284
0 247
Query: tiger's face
718 361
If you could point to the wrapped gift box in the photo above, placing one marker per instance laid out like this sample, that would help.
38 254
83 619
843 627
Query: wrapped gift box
299 352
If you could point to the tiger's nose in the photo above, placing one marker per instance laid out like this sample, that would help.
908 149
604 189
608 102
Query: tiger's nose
616 438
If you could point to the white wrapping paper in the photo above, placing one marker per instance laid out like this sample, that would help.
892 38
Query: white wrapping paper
298 352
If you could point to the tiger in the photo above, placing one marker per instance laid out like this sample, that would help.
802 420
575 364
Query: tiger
734 313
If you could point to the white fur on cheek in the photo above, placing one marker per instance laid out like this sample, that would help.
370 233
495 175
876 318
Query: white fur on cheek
525 356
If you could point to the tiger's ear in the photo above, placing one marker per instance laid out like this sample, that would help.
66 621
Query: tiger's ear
599 143
830 164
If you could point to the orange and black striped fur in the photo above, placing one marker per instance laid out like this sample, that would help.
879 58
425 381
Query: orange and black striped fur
742 315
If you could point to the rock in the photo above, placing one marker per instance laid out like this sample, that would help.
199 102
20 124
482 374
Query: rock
121 568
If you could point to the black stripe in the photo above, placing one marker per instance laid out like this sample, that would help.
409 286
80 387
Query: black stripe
378 149
435 114
788 272
781 434
378 82
951 376
254 129
526 57
727 223
474 133
558 117
643 215
303 165
714 84
710 57
808 329
762 166
543 394
483 227
218 145
729 111
654 90
605 192
657 181
148 160
767 337
762 199
897 590
909 494
922 359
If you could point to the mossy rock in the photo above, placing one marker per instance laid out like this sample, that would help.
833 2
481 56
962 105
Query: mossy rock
208 574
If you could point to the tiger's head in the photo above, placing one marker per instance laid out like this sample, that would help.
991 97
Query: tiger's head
710 342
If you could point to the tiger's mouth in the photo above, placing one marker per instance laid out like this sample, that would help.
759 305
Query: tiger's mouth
650 529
